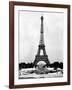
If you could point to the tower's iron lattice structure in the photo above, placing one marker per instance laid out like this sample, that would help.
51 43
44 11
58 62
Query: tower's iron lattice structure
41 46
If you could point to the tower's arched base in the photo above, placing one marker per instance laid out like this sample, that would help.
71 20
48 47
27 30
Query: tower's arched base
39 58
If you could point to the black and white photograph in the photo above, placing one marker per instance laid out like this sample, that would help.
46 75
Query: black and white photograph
40 44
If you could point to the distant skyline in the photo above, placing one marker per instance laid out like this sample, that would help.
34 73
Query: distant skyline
29 35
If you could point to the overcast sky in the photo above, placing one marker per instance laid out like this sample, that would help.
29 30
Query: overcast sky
29 35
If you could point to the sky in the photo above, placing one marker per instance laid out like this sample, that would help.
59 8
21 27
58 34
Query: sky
29 35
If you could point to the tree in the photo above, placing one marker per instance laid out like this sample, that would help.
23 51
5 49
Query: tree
61 65
56 65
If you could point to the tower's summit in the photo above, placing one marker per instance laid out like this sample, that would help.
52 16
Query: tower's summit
41 24
42 17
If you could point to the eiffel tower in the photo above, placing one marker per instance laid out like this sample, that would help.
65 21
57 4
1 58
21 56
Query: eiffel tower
41 47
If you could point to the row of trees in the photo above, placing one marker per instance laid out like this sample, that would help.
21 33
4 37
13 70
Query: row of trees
54 65
24 65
